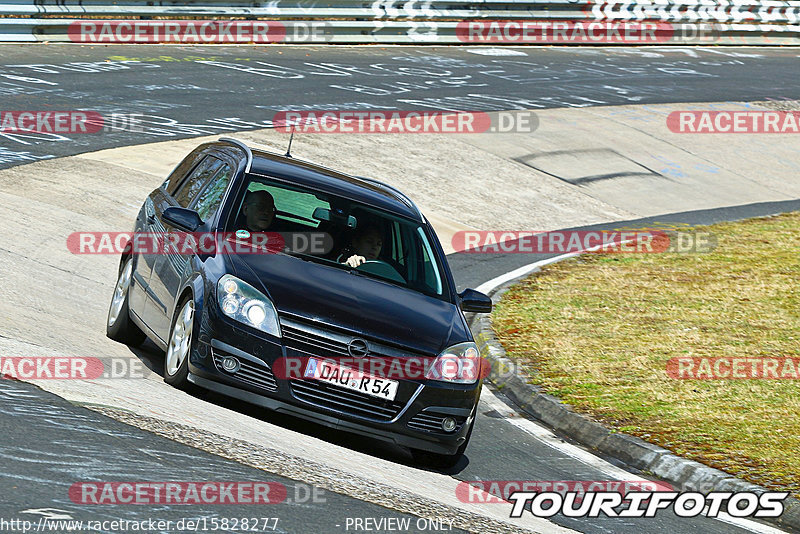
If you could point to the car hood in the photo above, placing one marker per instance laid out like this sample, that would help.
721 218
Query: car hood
372 308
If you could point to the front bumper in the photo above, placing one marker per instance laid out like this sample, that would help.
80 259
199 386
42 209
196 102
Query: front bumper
410 421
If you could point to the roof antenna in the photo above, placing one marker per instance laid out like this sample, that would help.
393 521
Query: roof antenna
289 149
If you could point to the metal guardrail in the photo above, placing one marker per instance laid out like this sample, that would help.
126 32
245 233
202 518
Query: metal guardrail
765 11
410 22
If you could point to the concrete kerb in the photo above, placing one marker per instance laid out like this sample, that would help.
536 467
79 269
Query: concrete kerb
681 473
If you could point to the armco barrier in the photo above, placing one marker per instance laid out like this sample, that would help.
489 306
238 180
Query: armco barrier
414 22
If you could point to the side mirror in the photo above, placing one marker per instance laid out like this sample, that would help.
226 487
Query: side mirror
182 218
475 301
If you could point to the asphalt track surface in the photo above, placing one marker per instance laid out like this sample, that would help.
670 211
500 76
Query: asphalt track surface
190 91
169 84
49 444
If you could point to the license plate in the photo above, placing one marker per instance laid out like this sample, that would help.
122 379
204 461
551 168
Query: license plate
351 379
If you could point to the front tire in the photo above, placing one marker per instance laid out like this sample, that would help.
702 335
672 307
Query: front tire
119 325
181 343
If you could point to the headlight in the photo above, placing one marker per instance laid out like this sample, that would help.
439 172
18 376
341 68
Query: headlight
244 303
459 364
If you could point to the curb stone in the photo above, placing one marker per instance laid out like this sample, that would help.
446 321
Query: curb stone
682 473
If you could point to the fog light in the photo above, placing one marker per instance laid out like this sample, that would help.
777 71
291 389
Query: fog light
230 364
448 424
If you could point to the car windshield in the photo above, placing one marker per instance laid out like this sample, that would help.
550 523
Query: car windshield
342 234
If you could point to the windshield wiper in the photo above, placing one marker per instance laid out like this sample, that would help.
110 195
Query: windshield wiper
314 259
373 276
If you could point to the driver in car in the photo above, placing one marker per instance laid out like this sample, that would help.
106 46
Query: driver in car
365 246
258 210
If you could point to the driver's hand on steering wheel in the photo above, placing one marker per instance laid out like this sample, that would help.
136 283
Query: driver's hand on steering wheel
355 260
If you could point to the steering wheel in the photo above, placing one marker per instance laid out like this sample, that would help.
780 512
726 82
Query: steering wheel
382 269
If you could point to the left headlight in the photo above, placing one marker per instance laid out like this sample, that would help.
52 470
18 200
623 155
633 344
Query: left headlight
459 364
244 303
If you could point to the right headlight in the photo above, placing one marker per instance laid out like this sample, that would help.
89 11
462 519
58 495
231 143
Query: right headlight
459 364
242 302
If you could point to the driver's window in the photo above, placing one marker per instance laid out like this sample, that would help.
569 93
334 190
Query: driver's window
429 271
294 207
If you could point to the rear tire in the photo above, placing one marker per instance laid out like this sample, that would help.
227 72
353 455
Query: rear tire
119 325
180 346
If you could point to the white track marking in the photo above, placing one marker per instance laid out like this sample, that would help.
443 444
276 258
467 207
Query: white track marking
752 526
548 438
491 285
496 52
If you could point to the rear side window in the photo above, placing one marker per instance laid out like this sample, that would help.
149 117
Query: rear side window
197 180
209 200
179 173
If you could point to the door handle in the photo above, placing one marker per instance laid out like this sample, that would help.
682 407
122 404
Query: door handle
151 219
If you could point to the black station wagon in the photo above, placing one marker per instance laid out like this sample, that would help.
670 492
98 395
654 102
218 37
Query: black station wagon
350 319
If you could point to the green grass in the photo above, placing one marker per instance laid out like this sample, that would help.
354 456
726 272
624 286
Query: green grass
598 330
